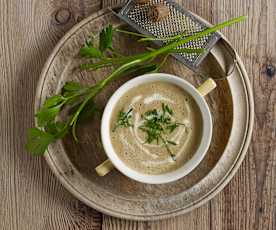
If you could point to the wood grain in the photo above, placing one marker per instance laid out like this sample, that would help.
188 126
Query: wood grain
249 201
31 197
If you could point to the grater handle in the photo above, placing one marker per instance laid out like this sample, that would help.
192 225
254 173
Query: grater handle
226 60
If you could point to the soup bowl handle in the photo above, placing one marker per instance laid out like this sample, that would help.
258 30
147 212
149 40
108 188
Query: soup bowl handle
205 88
104 168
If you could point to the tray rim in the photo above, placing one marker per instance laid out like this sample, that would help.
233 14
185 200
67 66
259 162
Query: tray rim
211 194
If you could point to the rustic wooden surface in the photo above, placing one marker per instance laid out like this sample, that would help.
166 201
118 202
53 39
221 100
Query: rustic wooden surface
32 198
115 194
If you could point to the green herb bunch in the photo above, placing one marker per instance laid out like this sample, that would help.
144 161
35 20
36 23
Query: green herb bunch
80 99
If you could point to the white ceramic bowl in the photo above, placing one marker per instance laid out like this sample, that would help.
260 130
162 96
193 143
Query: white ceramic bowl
185 168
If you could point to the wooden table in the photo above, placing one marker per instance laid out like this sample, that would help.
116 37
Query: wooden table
30 195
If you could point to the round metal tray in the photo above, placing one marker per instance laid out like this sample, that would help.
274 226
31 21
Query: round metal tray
73 163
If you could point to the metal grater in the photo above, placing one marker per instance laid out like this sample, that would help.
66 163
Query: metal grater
178 21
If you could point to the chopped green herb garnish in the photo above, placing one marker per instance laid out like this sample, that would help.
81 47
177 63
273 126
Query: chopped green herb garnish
157 125
167 109
124 119
172 127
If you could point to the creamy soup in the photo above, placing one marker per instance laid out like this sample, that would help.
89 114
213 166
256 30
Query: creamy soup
156 127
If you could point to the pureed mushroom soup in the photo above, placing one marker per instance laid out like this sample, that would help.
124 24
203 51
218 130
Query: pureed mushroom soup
156 127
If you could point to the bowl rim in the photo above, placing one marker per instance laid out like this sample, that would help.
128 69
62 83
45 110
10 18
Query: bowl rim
186 168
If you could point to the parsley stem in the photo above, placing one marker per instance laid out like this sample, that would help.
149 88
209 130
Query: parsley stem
162 63
131 33
74 119
203 33
160 39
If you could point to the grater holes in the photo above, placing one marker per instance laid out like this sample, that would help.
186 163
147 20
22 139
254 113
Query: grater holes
177 22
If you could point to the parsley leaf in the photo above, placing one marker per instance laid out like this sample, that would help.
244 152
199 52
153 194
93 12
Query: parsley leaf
71 87
53 101
46 115
89 51
38 141
58 129
106 38
72 91
50 110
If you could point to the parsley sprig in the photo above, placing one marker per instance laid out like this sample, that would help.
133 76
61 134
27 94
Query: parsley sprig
99 53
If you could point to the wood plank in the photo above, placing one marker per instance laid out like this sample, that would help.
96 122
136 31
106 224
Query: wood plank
31 197
198 219
249 201
250 197
194 220
110 3
116 223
